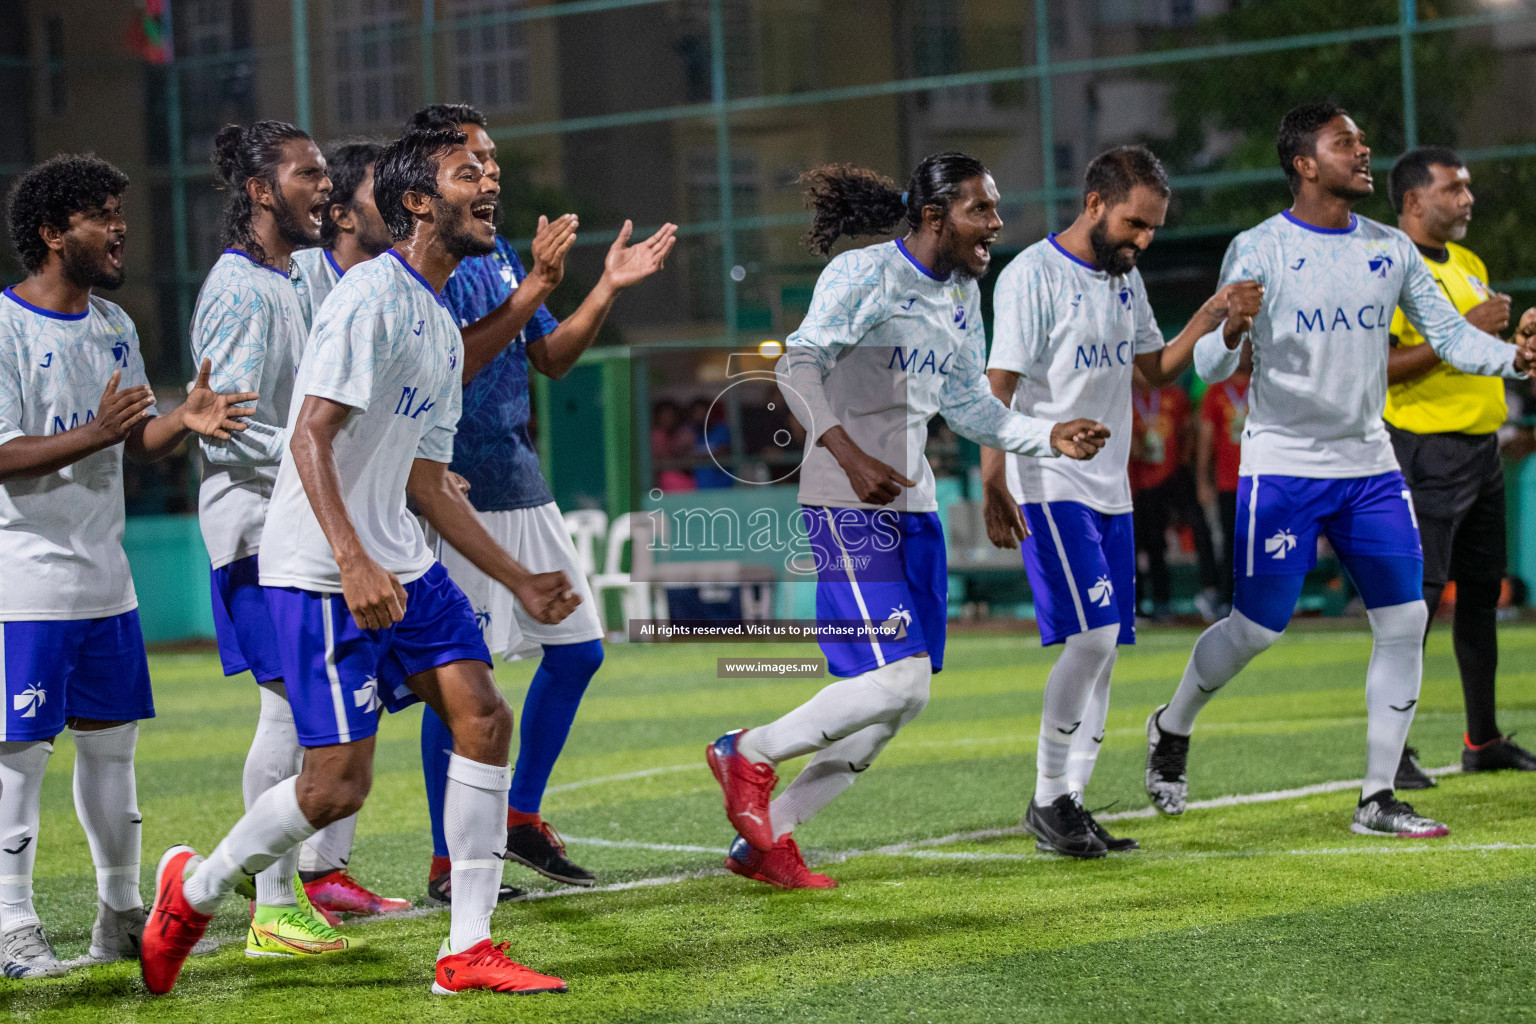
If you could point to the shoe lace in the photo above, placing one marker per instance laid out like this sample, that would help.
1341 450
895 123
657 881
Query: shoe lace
1075 816
1169 756
1093 825
1412 754
495 955
797 866
551 836
311 926
30 944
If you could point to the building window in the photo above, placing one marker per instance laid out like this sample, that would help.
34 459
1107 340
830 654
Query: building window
492 55
372 61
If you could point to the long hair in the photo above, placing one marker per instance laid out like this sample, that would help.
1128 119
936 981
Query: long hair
853 201
240 154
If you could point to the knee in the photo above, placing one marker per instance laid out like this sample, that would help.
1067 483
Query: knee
484 732
1100 644
1248 636
576 661
332 796
908 680
1399 623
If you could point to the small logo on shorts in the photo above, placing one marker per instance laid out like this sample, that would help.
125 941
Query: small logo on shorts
1101 592
902 619
29 700
483 619
367 696
1279 544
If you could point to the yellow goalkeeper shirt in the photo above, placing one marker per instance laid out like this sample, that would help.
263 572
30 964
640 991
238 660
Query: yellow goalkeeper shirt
1445 400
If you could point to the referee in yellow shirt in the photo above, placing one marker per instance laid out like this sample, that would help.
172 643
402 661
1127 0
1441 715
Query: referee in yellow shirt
1443 424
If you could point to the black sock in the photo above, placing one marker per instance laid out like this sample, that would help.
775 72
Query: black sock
1475 631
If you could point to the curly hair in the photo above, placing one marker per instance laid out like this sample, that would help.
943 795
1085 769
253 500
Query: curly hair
409 164
440 117
241 154
52 192
849 200
347 165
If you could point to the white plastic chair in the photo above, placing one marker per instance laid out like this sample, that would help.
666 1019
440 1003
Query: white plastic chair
632 529
587 527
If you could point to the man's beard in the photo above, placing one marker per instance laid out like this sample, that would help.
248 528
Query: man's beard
456 232
1108 256
86 270
374 242
294 233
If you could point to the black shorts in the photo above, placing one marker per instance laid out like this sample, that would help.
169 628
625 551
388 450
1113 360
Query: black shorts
1457 482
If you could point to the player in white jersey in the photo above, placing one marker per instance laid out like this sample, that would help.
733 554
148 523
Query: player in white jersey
1072 325
366 617
1316 458
893 336
73 399
351 232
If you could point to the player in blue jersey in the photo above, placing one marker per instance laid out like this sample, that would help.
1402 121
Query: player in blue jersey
367 618
74 400
1073 325
1316 458
893 336
507 329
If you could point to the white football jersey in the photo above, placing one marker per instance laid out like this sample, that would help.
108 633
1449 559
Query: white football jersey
61 534
385 346
315 274
1072 333
1321 339
885 346
249 324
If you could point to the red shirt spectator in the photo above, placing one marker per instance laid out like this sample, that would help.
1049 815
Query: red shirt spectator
1158 423
1225 408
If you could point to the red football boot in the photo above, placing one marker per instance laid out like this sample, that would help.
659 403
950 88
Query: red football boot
340 893
173 926
781 866
748 789
487 966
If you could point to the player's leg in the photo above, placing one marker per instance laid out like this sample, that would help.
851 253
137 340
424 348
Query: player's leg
1075 606
1376 535
862 577
36 662
1277 524
572 654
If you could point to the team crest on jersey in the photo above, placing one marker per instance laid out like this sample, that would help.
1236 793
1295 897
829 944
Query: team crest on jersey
1283 541
367 696
1101 592
29 700
120 353
1377 258
1125 296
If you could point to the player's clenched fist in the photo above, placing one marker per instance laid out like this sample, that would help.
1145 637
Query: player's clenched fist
1491 315
1079 439
120 410
1525 343
547 596
1004 521
373 595
1239 302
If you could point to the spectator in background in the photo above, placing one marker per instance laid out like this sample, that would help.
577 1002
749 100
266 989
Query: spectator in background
1218 451
671 440
1163 490
712 442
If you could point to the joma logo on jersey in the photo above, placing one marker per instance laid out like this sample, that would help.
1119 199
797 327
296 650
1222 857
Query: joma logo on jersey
1367 318
29 700
1282 542
407 405
59 426
909 362
1098 357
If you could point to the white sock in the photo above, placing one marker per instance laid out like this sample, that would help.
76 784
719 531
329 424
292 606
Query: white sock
330 848
1221 653
833 770
842 709
273 826
275 755
107 803
1391 688
1090 738
475 820
22 765
1084 657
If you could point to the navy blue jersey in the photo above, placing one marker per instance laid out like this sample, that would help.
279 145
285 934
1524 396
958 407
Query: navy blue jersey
493 450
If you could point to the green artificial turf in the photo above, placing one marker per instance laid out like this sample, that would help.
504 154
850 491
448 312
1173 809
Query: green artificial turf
1267 911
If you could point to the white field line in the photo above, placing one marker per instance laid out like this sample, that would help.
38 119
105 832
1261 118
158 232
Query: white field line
647 773
1341 851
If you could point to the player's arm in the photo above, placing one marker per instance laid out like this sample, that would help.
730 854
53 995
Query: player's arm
234 339
547 596
25 456
373 595
1004 520
1231 311
1216 354
1205 457
485 339
1410 362
1453 338
205 412
625 265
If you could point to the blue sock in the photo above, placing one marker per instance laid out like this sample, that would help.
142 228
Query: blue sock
436 746
548 711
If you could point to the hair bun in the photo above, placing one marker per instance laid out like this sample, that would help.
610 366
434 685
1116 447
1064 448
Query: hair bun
226 151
